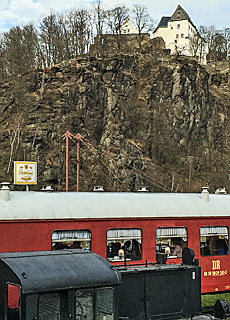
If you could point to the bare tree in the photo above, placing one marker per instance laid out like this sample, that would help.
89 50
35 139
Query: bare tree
81 31
143 22
208 34
49 39
114 20
218 50
217 42
226 34
20 49
197 47
3 59
98 16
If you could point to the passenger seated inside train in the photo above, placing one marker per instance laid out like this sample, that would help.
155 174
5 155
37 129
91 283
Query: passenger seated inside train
173 247
222 245
119 250
68 245
76 245
214 245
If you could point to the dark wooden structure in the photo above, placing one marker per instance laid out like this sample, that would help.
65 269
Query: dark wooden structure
56 285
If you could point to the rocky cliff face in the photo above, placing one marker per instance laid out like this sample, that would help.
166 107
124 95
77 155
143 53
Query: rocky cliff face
160 122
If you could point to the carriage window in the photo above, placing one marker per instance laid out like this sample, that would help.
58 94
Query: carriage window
71 239
13 298
171 241
49 307
99 302
213 240
123 243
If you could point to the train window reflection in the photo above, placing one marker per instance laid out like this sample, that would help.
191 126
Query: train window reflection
91 302
123 243
171 241
214 240
49 307
84 304
71 239
104 304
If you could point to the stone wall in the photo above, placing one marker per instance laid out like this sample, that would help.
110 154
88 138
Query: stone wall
108 44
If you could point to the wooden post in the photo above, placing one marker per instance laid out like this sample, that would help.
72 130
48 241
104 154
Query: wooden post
67 136
78 137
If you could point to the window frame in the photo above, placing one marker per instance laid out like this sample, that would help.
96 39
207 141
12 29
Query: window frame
71 240
171 235
219 233
124 239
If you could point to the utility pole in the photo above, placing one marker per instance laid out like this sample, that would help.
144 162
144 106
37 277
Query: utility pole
78 137
67 136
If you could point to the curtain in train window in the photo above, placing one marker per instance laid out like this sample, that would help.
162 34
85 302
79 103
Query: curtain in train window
71 239
214 240
49 307
171 240
124 242
13 302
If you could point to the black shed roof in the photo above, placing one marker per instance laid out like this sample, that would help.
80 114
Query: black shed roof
43 271
164 22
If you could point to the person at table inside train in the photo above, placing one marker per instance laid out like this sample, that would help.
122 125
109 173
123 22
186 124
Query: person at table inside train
175 248
121 252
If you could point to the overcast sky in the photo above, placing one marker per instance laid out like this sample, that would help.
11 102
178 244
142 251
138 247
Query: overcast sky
201 12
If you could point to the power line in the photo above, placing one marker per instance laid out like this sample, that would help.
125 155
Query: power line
147 178
113 174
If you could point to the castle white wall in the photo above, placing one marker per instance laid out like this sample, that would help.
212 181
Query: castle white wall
177 35
127 28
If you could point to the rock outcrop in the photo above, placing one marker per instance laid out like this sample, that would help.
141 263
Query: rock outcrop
160 122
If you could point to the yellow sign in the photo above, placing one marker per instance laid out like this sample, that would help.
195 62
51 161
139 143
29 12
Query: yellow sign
25 172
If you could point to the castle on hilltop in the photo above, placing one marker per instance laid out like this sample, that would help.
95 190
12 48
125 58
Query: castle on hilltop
181 35
175 35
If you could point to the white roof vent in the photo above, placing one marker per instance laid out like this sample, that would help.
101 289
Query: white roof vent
205 194
5 191
48 188
220 191
98 188
143 189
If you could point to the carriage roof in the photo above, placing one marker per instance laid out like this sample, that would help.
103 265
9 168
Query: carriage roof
94 205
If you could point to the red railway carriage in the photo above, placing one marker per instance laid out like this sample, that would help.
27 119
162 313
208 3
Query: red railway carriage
134 226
